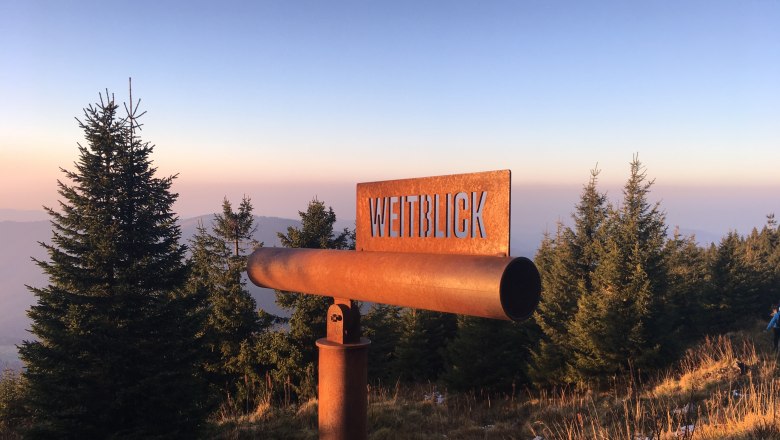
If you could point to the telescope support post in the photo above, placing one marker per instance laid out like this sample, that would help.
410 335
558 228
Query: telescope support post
343 375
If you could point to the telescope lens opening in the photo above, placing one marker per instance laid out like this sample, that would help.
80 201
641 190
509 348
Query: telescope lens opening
521 288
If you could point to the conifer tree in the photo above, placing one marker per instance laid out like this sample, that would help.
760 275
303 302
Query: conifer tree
734 293
307 322
381 325
567 263
744 279
232 322
619 324
419 354
116 354
587 238
550 357
759 253
486 355
13 414
689 278
773 238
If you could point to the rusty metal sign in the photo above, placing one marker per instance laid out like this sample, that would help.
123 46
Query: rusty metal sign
455 214
409 226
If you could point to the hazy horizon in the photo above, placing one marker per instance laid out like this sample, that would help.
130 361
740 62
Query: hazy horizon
535 208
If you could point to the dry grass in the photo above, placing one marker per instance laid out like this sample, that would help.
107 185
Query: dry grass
724 388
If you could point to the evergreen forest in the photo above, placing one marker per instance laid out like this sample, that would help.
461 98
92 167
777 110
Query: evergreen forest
139 334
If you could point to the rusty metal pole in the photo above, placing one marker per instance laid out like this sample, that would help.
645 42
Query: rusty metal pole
343 375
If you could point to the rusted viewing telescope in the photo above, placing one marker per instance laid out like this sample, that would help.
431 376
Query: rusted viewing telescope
476 285
435 243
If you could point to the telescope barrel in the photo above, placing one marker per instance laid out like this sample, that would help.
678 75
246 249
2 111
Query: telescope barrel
485 286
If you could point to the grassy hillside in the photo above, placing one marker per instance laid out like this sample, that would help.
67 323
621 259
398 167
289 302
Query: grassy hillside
726 387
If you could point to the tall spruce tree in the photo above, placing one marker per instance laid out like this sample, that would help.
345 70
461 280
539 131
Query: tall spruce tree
618 326
307 320
116 352
546 362
567 263
233 323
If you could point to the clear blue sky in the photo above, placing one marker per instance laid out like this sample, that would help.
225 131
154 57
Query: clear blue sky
275 96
